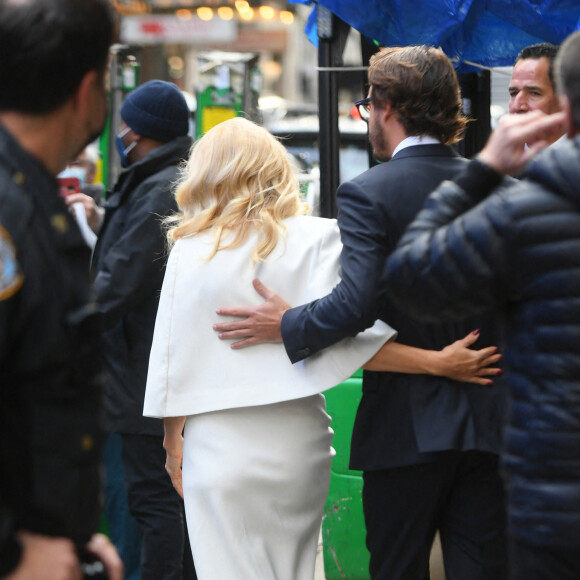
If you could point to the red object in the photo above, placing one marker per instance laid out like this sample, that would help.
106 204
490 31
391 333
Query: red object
69 185
354 113
152 28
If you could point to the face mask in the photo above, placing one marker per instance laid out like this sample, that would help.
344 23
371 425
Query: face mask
122 150
79 172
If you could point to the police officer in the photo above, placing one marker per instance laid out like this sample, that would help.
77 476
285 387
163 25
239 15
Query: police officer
52 103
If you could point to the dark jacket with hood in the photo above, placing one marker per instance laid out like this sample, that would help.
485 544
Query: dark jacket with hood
518 249
128 269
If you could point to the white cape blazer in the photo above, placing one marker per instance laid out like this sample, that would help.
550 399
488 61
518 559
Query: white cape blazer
192 371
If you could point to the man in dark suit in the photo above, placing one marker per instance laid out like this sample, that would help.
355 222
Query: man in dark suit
428 446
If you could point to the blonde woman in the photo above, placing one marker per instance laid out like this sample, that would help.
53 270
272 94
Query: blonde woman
253 464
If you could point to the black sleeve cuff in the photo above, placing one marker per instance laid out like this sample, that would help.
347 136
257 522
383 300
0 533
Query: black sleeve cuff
479 179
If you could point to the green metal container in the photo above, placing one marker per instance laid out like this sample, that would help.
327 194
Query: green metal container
343 529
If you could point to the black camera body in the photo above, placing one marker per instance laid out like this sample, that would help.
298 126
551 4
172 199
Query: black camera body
92 568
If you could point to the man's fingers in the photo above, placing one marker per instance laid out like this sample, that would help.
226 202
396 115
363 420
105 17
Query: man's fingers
244 343
534 149
505 151
77 197
534 128
234 333
246 311
237 311
264 292
545 123
101 546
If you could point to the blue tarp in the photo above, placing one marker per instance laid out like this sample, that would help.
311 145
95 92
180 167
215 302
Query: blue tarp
486 32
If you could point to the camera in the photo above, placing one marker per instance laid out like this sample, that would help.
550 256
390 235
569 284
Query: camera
92 568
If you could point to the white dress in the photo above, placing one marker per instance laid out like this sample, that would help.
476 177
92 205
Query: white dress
257 442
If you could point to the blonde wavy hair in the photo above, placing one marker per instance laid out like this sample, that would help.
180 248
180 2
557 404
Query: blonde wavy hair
238 178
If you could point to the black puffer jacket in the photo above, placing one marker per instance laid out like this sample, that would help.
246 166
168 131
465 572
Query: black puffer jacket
518 249
128 266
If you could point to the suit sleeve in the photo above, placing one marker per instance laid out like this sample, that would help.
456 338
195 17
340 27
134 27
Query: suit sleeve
453 260
355 302
134 265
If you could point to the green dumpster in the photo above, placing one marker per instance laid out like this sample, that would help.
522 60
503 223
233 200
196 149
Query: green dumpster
343 530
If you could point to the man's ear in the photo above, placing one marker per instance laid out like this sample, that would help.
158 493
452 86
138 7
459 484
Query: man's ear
89 89
386 111
566 107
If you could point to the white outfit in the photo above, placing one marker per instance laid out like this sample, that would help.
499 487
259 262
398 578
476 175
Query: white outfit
255 481
257 439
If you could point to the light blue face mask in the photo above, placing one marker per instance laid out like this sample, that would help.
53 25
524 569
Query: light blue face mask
122 150
79 172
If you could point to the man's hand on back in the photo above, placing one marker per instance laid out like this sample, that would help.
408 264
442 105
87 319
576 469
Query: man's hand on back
258 324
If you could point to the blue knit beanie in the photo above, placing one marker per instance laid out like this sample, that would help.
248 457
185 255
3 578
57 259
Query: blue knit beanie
158 110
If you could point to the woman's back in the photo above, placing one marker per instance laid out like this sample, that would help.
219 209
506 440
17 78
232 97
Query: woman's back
191 371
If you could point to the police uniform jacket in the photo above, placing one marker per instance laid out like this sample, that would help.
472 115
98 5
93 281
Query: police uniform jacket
50 387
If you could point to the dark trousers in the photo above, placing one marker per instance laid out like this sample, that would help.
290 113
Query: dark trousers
158 509
529 562
123 528
460 494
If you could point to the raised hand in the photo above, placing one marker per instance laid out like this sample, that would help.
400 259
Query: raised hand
518 138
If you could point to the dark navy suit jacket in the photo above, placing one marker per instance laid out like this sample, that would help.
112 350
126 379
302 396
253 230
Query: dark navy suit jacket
402 419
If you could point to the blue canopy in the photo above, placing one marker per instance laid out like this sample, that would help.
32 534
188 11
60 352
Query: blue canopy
487 33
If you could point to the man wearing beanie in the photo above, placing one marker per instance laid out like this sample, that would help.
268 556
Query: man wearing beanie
128 267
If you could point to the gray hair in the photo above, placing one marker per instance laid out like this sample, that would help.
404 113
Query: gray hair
567 67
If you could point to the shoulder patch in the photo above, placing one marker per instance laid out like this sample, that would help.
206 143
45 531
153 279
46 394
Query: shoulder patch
10 275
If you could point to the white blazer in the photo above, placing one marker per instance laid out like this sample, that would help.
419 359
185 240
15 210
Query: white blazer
192 371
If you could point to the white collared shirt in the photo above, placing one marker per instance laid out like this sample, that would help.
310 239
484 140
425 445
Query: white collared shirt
415 140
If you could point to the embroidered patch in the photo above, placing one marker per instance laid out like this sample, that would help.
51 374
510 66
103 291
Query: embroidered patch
59 223
10 275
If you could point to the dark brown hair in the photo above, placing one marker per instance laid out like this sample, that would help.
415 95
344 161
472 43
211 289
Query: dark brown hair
420 84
